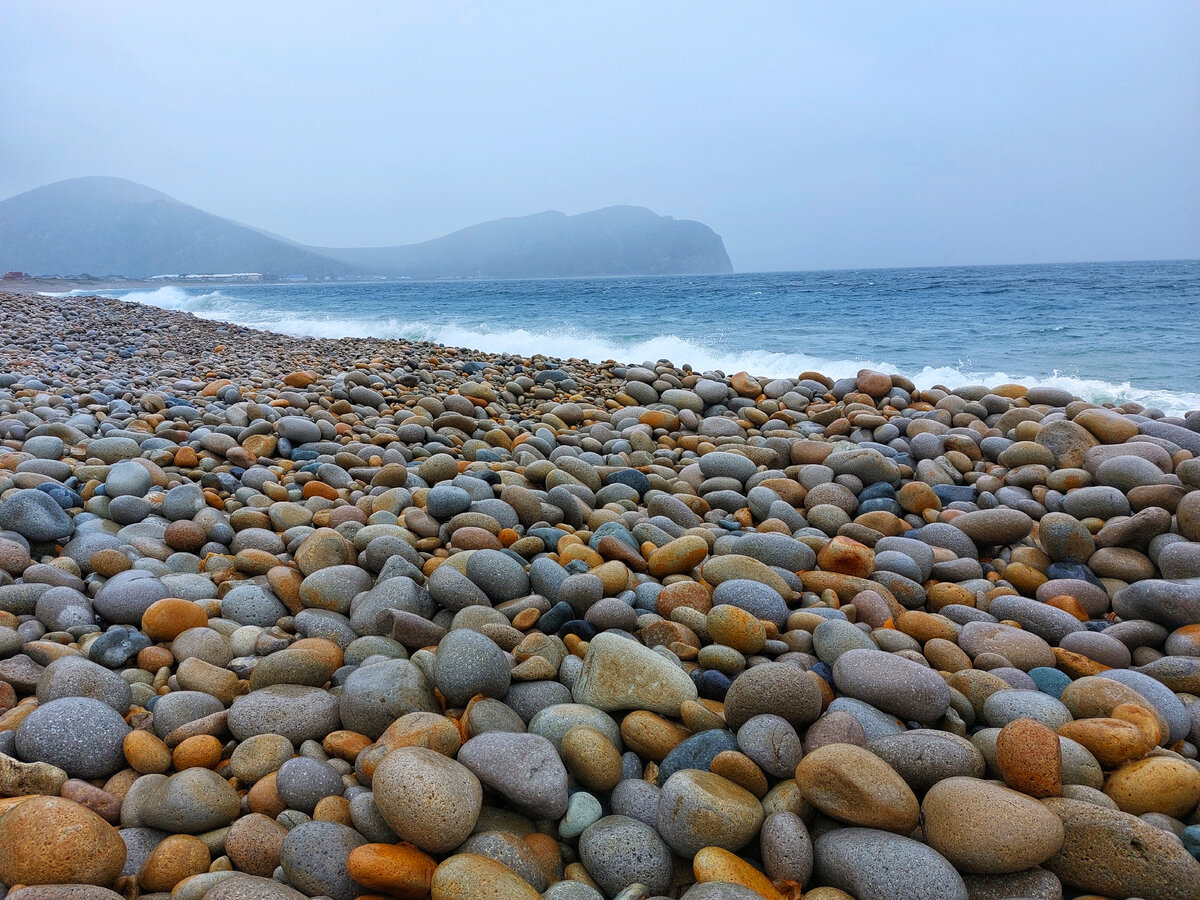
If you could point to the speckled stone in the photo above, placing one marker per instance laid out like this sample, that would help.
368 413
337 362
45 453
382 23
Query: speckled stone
427 798
298 713
877 865
313 857
524 768
618 851
79 735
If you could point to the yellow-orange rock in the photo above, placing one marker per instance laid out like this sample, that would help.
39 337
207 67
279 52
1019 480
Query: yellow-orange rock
178 857
736 628
49 840
466 876
716 864
1030 758
168 618
201 751
146 753
1158 784
847 556
680 555
399 870
1130 734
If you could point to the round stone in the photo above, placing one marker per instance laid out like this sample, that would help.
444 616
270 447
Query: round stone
314 858
924 757
376 695
987 829
49 840
699 809
427 799
126 596
254 843
523 768
34 515
303 783
127 479
297 712
193 801
469 663
74 676
81 736
618 851
467 876
893 684
856 786
772 743
778 688
867 863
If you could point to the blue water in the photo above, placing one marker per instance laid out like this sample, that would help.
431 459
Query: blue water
1108 331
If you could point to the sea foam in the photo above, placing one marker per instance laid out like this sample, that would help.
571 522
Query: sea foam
567 342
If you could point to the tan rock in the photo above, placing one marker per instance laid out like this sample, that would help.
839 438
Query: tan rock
49 840
1159 784
987 829
856 786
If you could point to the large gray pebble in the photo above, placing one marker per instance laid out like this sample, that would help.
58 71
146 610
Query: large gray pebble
298 713
524 768
498 575
126 596
468 663
879 865
249 604
618 851
74 676
35 515
180 707
127 479
304 782
193 801
314 856
892 683
81 736
376 695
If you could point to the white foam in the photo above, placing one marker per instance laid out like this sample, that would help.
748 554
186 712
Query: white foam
569 342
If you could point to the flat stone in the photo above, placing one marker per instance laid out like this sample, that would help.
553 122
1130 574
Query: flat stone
876 865
524 768
620 674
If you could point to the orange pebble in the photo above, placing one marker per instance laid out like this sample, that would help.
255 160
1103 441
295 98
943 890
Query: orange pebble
345 744
146 753
716 864
319 489
202 751
400 870
170 617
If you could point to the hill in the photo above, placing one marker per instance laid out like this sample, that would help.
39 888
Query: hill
110 226
617 240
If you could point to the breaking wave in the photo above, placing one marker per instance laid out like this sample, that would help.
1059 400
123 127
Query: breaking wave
584 343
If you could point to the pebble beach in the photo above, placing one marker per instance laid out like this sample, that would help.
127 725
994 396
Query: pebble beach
290 617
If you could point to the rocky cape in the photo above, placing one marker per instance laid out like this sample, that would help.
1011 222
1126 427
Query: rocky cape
110 226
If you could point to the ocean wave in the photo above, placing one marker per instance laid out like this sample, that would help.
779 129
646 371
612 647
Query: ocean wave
569 342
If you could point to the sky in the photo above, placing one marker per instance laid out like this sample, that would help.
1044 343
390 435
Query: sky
808 135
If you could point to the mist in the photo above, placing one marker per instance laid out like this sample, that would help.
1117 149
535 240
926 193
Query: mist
808 136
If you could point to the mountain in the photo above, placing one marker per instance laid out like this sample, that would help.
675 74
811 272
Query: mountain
617 240
110 226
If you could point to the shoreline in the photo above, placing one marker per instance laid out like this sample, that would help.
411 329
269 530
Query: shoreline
356 615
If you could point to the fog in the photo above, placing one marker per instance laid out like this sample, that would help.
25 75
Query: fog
807 135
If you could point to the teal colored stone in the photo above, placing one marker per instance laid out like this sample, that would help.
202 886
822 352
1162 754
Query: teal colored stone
1050 681
582 810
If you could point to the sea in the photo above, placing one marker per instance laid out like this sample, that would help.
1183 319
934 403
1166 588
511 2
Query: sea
1106 331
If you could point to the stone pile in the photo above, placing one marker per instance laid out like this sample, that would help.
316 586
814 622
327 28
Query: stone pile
286 618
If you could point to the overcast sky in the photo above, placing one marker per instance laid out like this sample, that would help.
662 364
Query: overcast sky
809 135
